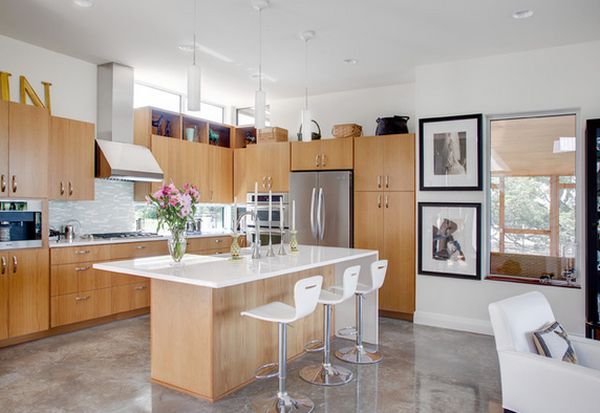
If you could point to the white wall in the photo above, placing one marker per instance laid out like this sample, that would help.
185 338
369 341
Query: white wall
540 80
361 106
73 90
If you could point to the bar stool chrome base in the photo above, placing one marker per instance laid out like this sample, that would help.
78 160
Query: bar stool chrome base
284 404
326 375
359 355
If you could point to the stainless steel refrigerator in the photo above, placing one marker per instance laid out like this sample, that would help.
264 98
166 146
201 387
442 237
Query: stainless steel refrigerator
323 207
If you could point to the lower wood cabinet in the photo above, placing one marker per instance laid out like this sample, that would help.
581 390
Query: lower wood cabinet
24 292
130 296
385 221
80 306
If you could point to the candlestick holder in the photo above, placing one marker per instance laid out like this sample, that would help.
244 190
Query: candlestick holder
293 241
281 246
270 251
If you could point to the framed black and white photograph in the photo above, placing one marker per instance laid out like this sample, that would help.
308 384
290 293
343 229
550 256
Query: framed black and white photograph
450 239
450 153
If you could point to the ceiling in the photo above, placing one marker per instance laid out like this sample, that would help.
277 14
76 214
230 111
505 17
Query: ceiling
524 147
389 38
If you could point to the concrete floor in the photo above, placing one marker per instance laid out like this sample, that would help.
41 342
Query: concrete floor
106 369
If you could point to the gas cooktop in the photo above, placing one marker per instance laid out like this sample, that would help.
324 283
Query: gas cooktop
129 234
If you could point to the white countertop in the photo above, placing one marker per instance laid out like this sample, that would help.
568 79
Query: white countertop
101 241
219 272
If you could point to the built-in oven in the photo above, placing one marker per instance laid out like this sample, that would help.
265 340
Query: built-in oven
260 203
20 224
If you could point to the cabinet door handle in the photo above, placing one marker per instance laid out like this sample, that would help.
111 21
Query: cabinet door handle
211 194
387 181
386 202
324 158
317 160
140 288
80 252
70 188
264 179
4 265
14 184
379 181
140 247
15 264
80 269
82 298
2 183
378 201
62 188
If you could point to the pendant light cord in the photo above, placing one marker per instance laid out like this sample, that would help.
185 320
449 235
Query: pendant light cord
260 49
195 15
306 74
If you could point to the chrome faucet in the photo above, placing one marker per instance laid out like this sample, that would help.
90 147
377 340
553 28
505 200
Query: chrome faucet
256 243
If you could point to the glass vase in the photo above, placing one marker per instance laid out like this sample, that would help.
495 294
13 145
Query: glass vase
177 244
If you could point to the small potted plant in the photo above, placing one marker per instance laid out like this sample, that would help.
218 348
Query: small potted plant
174 208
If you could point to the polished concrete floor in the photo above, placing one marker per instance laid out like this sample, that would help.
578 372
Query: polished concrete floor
106 369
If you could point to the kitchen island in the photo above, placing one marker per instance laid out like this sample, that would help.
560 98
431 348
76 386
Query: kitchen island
199 342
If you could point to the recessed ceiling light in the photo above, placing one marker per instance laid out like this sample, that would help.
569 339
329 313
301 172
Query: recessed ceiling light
350 61
84 3
522 14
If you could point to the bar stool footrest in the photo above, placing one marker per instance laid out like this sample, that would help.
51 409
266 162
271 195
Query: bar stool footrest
267 371
347 331
314 346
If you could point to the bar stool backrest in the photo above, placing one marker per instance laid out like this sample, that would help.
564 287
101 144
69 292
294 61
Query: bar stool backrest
378 270
350 281
306 295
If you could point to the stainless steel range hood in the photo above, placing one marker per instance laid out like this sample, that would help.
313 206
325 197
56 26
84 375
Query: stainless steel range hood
116 156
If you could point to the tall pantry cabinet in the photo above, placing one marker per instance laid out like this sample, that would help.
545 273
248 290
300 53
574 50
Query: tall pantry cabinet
384 208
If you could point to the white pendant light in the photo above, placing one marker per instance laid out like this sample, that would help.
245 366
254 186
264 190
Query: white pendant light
194 76
260 97
306 115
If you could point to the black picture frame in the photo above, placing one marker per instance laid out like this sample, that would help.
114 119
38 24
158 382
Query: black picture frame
478 117
477 208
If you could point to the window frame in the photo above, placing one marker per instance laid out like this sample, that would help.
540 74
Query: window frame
580 260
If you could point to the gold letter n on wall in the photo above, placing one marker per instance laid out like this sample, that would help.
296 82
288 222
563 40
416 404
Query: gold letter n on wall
26 90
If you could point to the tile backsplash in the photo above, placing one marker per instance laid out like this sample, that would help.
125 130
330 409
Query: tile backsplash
113 209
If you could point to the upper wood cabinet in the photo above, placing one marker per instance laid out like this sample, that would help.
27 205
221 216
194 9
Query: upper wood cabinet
220 173
240 177
269 165
384 163
3 151
71 172
24 131
24 291
326 154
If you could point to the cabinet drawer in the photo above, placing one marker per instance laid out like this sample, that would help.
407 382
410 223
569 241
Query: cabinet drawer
197 245
121 279
130 297
73 255
71 278
138 249
87 305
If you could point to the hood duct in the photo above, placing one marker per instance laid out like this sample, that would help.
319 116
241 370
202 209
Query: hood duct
116 155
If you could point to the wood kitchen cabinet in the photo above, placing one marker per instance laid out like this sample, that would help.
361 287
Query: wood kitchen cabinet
269 165
384 163
240 176
71 160
4 177
385 221
220 175
25 291
24 131
325 154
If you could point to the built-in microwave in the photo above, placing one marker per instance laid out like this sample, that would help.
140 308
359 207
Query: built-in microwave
20 224
260 203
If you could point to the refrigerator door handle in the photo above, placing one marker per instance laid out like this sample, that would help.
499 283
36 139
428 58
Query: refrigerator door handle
321 218
313 228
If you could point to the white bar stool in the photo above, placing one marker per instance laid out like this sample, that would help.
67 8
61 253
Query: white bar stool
306 295
357 354
326 374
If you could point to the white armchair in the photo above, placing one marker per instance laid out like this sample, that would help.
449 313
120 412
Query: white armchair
537 384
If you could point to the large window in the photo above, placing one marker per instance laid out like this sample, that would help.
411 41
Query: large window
532 226
146 95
